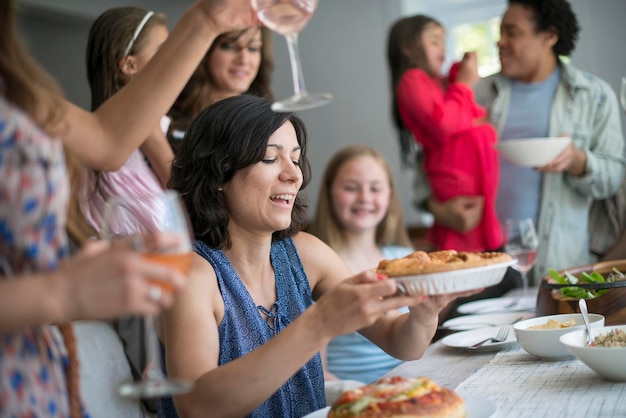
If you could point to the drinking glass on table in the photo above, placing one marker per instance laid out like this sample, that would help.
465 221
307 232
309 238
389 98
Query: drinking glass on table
521 243
288 17
134 216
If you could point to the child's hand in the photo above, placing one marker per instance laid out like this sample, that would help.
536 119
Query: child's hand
468 70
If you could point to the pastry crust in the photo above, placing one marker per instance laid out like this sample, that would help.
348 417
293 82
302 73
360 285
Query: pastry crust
421 262
399 397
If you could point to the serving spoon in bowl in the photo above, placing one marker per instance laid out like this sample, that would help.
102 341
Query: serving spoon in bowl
583 310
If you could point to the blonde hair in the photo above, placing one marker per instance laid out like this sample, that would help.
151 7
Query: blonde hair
23 82
326 226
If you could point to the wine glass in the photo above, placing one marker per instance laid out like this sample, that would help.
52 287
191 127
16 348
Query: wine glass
622 94
133 216
5 268
521 243
288 17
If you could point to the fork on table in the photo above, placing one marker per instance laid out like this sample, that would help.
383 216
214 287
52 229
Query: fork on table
501 336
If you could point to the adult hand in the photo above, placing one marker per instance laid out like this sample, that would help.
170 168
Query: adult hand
430 306
468 70
571 159
461 213
228 15
358 302
107 281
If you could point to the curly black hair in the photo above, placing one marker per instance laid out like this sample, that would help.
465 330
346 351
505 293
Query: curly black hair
556 15
226 137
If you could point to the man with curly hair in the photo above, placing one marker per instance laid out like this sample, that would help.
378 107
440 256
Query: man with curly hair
538 94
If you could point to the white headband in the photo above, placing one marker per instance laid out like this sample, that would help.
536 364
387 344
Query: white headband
137 32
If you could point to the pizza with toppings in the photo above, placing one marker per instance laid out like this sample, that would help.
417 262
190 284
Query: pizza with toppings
421 262
399 397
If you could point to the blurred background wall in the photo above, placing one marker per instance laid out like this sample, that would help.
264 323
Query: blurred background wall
343 52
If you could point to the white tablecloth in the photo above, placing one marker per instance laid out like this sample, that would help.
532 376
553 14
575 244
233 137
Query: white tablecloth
520 384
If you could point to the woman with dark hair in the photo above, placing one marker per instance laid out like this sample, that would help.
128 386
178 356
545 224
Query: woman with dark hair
246 331
237 62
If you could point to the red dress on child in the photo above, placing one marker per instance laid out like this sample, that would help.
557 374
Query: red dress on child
459 153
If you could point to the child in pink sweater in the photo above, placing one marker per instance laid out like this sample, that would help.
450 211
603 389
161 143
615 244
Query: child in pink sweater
458 145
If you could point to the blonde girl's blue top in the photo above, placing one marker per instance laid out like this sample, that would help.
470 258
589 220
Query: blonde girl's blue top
244 328
352 356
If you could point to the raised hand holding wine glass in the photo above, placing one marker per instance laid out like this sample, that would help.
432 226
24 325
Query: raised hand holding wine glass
288 18
521 243
141 217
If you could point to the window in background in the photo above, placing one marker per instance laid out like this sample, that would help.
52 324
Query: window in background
480 36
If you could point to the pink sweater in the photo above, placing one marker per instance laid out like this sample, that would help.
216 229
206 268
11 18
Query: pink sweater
459 153
134 178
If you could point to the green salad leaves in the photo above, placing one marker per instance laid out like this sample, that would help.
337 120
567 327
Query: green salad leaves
593 277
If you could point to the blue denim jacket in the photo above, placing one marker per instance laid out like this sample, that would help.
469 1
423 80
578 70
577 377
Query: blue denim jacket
585 108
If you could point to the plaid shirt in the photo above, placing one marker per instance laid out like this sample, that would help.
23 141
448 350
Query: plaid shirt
607 221
586 108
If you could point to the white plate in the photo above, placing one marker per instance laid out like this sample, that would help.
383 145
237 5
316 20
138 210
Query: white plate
463 323
503 304
476 406
464 339
532 152
453 281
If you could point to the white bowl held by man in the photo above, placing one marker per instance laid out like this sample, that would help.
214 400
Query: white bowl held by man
608 362
544 343
532 152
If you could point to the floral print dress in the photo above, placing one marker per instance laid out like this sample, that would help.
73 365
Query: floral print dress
33 207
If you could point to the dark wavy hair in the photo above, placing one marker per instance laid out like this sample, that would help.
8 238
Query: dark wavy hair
228 136
557 16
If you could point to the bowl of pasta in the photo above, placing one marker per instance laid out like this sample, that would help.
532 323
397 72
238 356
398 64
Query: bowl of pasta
607 353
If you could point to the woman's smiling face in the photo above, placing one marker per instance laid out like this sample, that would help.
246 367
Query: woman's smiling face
360 194
261 197
235 62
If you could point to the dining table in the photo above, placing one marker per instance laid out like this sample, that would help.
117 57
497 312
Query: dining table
518 384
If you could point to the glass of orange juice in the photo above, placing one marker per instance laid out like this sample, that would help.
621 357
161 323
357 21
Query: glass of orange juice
136 216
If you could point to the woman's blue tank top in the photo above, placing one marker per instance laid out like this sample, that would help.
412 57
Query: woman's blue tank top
243 329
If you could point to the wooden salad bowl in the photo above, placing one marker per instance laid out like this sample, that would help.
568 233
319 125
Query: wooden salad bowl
612 304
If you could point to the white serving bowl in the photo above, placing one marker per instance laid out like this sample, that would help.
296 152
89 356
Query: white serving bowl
532 152
609 363
544 343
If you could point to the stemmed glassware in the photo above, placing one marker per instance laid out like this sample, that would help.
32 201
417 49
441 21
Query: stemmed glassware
622 94
288 17
5 268
521 243
133 216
